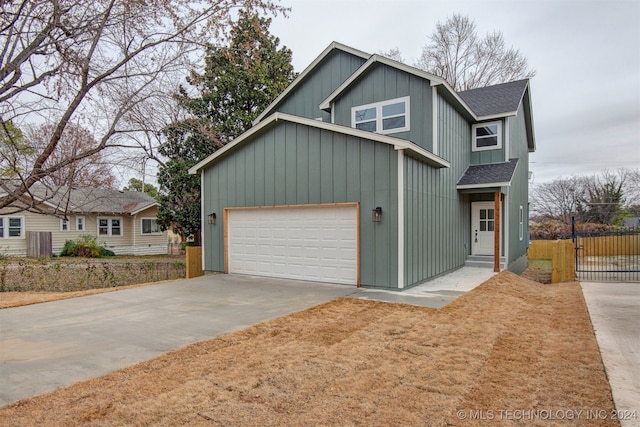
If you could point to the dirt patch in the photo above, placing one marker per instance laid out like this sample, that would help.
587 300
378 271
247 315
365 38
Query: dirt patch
17 299
511 351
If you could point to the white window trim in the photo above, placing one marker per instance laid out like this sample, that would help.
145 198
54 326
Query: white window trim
142 228
84 223
110 226
378 106
474 147
62 222
5 226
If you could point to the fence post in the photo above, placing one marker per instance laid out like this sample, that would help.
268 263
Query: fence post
88 274
194 261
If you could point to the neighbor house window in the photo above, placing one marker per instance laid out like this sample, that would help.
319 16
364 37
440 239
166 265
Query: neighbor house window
64 225
150 226
110 226
11 227
521 224
79 223
487 136
382 117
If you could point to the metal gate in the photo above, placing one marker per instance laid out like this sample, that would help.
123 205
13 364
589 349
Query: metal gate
612 256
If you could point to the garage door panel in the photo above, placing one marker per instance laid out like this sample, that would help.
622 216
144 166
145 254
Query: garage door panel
310 243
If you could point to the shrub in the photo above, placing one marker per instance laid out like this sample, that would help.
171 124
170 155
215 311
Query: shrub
85 247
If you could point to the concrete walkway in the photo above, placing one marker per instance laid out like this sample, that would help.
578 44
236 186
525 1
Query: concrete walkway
615 314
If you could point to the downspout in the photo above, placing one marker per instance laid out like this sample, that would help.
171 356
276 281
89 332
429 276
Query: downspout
400 219
202 238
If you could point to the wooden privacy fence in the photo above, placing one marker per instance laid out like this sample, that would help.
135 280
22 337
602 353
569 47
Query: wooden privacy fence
39 244
611 245
194 262
562 256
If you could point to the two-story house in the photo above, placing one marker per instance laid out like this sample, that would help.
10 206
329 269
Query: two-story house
369 172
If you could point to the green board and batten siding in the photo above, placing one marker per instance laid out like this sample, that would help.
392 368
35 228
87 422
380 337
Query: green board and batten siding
382 83
294 164
305 99
518 192
437 217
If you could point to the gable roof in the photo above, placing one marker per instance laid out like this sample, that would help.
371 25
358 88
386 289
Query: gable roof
411 148
305 73
500 99
94 200
488 175
374 60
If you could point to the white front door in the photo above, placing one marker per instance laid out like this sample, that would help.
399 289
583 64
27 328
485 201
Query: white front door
482 228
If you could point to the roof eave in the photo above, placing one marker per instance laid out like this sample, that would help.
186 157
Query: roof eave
397 143
485 185
144 208
303 75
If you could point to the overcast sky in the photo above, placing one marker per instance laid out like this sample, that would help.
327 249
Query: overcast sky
586 92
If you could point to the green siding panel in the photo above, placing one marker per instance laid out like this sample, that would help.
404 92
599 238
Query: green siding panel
382 83
294 164
328 75
437 216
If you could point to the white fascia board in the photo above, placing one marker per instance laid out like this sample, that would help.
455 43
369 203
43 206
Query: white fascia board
195 169
398 144
307 71
487 185
326 104
144 208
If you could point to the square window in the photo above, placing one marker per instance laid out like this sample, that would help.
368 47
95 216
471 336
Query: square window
487 136
150 226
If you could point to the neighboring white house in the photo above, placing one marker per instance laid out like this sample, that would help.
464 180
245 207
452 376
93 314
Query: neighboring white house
122 221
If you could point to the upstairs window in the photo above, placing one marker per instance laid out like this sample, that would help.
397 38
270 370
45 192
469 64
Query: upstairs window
487 136
382 117
64 225
80 223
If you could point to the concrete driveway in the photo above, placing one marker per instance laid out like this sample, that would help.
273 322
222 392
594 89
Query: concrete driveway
46 346
55 344
614 309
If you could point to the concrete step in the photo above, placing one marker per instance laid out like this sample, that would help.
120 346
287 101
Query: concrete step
484 261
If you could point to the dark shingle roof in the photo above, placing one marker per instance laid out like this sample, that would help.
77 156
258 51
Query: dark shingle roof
497 99
492 173
94 200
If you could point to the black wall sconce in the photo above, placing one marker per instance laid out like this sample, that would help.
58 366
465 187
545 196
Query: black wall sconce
376 214
212 218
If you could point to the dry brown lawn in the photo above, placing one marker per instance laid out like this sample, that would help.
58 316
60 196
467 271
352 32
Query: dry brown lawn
512 351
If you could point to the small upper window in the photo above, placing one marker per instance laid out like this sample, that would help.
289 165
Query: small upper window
382 117
64 225
487 136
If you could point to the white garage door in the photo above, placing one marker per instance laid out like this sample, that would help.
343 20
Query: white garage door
307 243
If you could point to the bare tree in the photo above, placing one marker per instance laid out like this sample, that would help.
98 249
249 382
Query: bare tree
93 171
91 62
466 61
559 199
